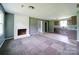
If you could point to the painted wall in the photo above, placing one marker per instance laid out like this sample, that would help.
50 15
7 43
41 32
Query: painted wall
51 26
34 25
9 25
77 26
2 39
43 26
40 26
21 22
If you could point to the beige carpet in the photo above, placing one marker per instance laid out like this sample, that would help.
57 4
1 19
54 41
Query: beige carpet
37 45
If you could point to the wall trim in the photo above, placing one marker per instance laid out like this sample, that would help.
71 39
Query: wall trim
77 40
2 44
9 38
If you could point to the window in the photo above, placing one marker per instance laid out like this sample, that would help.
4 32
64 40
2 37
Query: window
1 23
63 23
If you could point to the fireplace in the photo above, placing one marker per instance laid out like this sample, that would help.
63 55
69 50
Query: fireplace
21 32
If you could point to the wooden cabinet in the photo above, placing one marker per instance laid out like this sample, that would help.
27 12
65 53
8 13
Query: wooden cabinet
72 34
72 20
56 30
61 31
56 22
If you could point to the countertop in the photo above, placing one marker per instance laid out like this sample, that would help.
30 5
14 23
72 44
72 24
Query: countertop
67 28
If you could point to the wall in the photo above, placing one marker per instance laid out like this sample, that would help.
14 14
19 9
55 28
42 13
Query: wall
34 25
51 26
9 25
21 22
43 26
78 26
2 39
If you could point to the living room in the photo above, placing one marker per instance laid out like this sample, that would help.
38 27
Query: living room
38 28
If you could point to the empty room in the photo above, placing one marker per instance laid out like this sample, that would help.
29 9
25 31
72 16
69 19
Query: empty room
39 28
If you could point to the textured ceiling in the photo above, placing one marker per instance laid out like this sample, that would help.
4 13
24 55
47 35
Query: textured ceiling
42 10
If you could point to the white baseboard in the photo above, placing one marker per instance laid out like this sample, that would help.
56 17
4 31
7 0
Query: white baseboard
9 38
78 40
2 44
4 41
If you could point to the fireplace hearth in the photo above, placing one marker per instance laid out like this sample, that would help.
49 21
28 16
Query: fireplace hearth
21 31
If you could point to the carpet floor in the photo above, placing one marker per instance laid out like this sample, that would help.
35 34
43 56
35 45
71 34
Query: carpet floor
37 45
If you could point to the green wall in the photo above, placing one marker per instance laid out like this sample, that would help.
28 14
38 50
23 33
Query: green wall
9 25
33 25
78 25
51 26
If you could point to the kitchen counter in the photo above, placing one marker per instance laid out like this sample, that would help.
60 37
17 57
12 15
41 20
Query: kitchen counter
71 32
67 28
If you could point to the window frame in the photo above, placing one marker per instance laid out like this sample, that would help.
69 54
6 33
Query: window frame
63 23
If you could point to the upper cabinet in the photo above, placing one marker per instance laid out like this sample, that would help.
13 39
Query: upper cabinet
56 22
72 20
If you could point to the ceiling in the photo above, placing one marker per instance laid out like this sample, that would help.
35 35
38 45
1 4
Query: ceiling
42 10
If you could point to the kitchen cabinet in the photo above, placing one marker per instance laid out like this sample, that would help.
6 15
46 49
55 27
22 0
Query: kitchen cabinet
72 34
72 20
62 31
69 31
56 30
56 22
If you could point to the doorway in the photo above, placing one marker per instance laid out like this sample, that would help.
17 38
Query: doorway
46 26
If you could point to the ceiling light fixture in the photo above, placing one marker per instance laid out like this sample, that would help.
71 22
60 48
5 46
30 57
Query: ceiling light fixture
31 7
22 6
